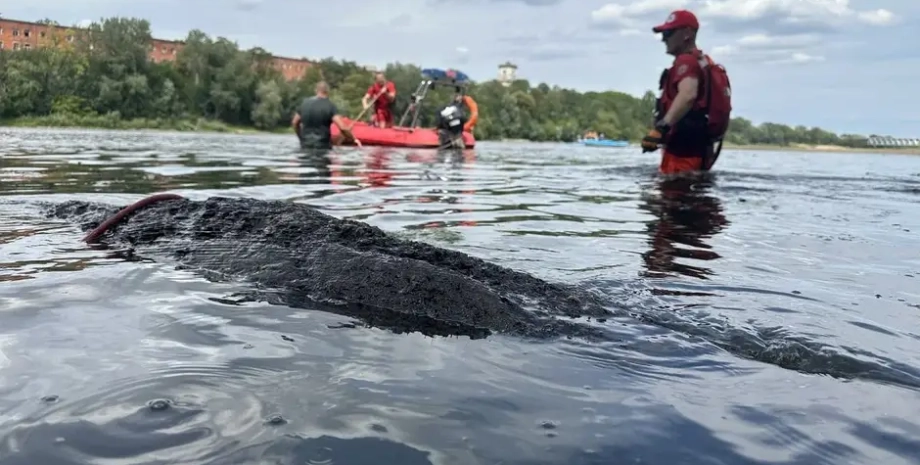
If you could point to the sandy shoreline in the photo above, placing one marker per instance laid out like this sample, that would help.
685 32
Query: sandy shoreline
826 148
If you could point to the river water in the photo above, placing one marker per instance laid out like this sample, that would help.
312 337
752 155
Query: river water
767 314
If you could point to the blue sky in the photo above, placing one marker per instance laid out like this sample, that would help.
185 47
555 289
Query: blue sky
847 66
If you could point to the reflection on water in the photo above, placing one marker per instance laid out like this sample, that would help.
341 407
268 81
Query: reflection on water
314 168
764 314
685 216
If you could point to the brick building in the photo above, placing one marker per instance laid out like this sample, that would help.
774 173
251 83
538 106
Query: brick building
291 68
24 35
164 50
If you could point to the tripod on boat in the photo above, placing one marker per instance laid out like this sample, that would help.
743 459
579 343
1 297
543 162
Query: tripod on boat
430 79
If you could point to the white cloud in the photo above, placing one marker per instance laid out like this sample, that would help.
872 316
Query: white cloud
638 15
627 15
773 49
463 50
825 11
725 50
768 41
797 59
753 9
805 58
877 17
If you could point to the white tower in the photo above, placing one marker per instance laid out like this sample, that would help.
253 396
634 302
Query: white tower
507 73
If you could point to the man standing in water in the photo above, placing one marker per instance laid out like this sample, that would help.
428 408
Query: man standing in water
385 93
693 111
312 121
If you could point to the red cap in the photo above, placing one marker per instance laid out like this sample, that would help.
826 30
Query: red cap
678 19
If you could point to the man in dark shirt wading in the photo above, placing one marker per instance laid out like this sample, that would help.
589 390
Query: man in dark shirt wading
313 119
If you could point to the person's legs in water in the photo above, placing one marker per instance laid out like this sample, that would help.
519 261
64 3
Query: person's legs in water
672 164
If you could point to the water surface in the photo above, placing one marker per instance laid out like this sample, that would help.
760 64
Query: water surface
767 314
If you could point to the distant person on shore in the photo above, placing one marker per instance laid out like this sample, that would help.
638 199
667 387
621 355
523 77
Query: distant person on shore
693 111
383 95
312 121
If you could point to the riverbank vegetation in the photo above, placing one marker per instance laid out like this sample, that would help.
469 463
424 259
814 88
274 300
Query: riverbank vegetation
104 79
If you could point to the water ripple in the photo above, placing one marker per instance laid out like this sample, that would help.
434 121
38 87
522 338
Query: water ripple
764 314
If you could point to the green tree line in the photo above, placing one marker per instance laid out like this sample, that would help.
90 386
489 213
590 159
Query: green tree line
104 78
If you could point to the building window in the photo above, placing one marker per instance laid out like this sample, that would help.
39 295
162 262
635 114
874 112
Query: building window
69 38
15 32
42 34
26 46
1 45
15 45
27 33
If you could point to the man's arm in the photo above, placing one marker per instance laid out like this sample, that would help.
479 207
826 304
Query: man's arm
295 123
474 112
346 131
688 84
687 91
391 91
367 96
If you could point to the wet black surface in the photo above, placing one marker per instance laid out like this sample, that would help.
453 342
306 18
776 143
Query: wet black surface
301 257
767 314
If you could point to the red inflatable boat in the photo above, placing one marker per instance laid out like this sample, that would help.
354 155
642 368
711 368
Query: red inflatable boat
422 138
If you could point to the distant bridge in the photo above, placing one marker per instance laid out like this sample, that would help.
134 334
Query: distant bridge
882 141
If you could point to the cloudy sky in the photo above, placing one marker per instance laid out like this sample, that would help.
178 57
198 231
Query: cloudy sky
838 64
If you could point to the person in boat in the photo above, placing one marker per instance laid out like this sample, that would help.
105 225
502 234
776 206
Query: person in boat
466 103
455 118
312 121
450 122
383 94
